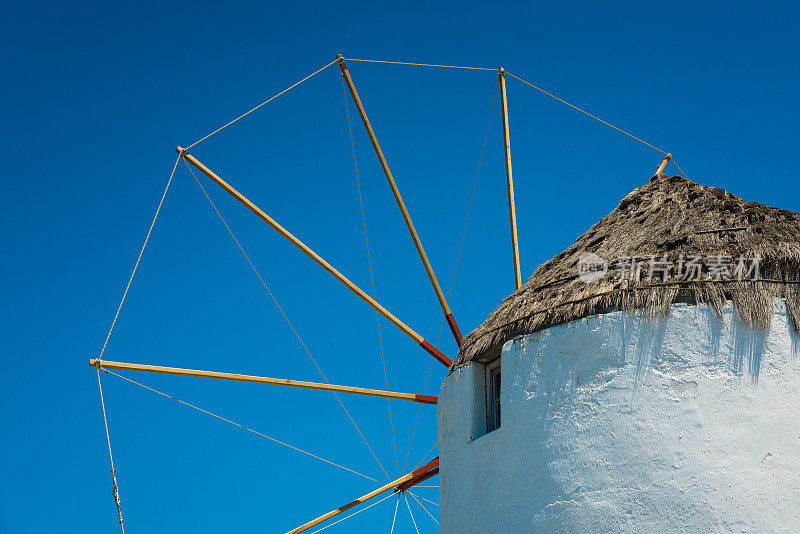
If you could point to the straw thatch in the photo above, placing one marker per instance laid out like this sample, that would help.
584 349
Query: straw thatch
672 216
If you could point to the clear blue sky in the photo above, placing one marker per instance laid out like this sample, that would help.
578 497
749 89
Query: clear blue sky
96 96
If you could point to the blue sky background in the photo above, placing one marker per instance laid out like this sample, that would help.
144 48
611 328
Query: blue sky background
96 96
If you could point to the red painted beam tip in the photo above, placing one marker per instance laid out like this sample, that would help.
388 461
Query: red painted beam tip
451 322
436 353
426 399
422 474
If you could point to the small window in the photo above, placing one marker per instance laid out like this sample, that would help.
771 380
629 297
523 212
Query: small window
493 396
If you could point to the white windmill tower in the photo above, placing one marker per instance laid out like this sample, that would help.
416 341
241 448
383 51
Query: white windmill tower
657 391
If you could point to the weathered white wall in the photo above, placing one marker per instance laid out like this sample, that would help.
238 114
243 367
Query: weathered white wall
623 424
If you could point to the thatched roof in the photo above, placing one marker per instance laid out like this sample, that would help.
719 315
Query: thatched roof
672 216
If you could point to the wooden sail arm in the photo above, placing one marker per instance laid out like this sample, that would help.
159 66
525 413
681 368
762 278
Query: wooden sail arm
430 349
432 465
663 164
399 199
418 479
414 397
512 210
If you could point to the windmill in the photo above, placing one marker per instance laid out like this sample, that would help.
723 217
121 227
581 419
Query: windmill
403 484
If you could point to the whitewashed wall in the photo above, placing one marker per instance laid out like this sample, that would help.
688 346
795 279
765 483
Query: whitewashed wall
623 424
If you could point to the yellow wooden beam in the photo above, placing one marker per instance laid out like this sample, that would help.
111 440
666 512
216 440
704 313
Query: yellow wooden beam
394 483
399 199
512 210
663 164
430 349
103 364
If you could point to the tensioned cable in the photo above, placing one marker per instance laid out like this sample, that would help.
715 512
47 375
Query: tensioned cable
371 276
425 388
261 104
354 513
394 519
286 318
525 82
114 487
474 190
410 512
423 507
423 498
234 423
551 95
679 169
426 454
139 258
599 120
421 64
458 257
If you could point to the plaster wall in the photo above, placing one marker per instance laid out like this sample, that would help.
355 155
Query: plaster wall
620 423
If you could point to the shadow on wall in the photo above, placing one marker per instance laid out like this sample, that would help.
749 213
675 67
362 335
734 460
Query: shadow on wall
590 361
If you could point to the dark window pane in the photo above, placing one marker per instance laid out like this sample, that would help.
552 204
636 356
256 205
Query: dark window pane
493 399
